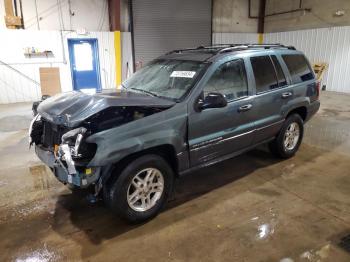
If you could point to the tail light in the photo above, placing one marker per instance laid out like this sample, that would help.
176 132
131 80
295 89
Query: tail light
318 89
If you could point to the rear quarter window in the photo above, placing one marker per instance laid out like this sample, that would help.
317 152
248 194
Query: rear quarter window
298 67
279 72
264 73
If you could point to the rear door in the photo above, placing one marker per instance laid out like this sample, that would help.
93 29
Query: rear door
272 95
216 132
301 75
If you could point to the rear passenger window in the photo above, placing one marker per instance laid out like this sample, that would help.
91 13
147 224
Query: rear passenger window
229 80
264 72
298 67
280 76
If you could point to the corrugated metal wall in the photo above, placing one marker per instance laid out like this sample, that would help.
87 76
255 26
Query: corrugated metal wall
234 38
161 26
330 45
23 85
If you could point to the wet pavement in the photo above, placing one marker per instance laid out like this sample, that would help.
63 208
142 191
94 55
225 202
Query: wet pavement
250 208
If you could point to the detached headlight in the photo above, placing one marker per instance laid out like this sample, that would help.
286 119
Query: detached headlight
74 138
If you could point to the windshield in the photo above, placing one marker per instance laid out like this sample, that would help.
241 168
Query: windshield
165 78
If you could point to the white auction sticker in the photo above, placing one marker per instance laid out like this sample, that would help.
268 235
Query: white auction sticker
186 74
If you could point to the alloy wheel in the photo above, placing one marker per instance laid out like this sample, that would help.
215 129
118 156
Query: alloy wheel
291 136
145 189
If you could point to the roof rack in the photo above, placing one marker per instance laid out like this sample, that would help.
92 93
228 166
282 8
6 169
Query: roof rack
253 46
186 49
222 48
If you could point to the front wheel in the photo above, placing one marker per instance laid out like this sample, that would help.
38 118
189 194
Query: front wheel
288 140
141 189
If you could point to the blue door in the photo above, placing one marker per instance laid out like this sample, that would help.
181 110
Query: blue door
84 62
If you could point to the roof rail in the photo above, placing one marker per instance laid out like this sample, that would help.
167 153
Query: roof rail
222 48
216 46
267 46
185 49
247 46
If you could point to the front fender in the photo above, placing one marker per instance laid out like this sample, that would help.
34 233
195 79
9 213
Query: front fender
111 151
163 128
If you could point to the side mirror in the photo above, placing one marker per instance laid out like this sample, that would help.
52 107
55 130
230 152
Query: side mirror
212 100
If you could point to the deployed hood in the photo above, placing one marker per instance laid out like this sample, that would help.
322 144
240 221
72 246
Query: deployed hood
71 108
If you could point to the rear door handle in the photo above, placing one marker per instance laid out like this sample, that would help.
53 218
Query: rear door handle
287 94
245 108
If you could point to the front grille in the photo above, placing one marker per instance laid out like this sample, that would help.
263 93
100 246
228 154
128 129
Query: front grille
51 134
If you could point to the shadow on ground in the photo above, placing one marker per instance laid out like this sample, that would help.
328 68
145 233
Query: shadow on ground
98 224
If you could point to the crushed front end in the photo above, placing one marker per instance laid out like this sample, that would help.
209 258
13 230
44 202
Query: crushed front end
65 151
64 123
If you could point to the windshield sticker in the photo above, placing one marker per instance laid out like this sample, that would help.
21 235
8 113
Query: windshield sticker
186 74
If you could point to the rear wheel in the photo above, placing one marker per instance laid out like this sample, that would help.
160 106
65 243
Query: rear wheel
287 142
141 189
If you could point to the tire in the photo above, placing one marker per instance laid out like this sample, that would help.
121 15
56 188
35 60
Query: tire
135 200
106 195
282 148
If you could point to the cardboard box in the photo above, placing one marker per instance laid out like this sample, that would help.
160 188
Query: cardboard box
50 80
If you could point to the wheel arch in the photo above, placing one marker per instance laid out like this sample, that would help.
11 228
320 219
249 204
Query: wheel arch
300 110
166 151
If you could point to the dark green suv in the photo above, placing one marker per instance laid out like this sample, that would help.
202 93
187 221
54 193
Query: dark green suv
185 110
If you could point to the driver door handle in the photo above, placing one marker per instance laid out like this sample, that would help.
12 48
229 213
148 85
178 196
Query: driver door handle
245 108
287 94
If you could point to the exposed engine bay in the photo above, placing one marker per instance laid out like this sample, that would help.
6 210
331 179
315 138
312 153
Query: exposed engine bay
116 116
49 134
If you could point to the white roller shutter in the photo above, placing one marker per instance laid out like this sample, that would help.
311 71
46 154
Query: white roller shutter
160 26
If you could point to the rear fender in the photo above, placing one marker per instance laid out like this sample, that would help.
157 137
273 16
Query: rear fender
296 103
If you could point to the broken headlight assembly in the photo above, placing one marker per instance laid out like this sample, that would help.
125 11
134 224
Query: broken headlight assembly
79 150
73 139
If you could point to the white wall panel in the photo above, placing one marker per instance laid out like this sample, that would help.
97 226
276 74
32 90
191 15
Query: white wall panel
16 87
329 45
55 15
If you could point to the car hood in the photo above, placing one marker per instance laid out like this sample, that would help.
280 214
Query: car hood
72 108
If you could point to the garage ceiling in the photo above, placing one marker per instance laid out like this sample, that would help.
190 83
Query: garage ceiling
160 26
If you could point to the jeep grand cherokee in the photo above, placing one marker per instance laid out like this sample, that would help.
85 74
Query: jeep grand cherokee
185 110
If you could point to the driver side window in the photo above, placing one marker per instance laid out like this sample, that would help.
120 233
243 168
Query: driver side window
229 79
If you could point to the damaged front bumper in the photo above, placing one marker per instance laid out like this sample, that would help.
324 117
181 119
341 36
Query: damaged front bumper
64 168
61 158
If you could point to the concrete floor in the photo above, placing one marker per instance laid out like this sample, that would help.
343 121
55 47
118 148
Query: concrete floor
251 208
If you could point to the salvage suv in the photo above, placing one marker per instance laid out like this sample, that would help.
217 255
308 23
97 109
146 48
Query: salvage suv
185 110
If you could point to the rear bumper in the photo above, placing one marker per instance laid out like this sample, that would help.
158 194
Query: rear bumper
312 109
83 177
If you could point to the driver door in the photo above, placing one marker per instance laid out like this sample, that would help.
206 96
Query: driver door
216 132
